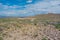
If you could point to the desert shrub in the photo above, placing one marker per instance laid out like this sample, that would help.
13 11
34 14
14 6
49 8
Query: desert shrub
1 38
3 27
35 35
18 26
57 26
35 22
44 39
1 30
45 23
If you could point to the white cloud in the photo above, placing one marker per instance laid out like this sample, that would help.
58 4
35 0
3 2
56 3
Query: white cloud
32 9
52 6
29 1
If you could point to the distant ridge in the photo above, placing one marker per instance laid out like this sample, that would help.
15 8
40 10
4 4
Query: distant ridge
2 16
38 15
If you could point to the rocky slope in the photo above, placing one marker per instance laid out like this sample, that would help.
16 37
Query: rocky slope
33 28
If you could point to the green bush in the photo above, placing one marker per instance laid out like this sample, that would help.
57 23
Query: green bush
57 26
1 38
44 39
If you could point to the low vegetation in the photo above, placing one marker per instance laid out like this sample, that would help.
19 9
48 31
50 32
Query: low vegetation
44 39
57 26
32 28
1 38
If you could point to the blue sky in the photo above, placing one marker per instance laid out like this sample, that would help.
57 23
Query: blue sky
28 7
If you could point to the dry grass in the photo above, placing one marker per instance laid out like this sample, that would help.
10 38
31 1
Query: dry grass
35 28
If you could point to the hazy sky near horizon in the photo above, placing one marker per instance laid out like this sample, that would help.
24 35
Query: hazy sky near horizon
28 7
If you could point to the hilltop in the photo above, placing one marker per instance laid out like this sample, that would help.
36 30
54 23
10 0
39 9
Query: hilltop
39 27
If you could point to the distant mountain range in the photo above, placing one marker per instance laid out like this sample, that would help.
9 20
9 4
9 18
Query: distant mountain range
10 16
40 15
2 16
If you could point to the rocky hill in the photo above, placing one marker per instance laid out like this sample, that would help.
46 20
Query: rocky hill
40 27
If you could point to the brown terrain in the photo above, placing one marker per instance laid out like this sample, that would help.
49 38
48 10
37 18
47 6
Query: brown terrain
39 27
